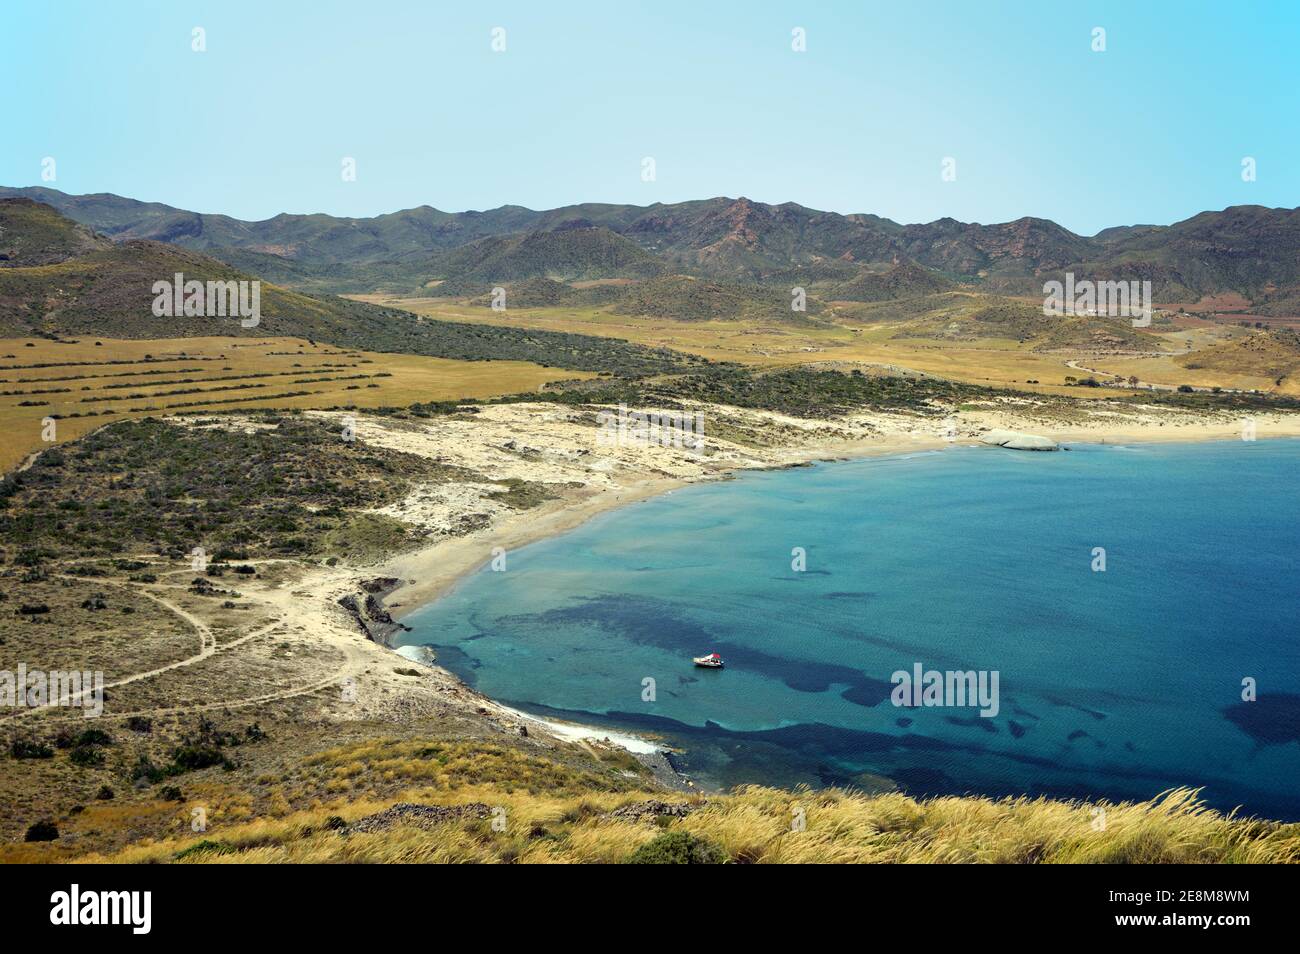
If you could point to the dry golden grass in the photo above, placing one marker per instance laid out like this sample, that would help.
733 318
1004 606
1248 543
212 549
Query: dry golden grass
253 373
555 808
843 340
556 814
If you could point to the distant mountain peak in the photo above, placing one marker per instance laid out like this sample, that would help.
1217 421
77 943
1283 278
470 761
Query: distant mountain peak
1247 249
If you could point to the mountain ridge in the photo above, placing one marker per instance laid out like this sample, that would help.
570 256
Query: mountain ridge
1249 250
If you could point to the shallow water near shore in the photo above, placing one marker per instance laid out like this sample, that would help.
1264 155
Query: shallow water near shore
1115 684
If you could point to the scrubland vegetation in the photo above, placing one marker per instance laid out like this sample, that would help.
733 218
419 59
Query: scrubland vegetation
502 807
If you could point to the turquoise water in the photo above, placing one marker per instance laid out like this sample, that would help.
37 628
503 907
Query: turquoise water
1115 684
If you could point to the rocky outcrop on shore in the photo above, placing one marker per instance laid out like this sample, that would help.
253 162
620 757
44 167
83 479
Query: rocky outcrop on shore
1017 440
367 609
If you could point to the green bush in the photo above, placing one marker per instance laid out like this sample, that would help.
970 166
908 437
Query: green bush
678 848
87 756
189 758
27 749
146 770
42 831
94 737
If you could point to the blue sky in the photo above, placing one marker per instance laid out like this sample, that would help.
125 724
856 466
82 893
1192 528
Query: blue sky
1154 129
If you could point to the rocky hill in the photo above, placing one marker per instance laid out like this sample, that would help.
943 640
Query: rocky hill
1247 250
78 283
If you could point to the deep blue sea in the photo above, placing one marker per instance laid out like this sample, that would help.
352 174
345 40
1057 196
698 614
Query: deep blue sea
1112 684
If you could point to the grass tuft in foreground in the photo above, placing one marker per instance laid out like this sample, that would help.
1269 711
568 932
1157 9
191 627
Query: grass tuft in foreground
751 825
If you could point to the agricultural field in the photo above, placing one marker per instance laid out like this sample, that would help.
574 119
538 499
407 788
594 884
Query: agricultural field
884 337
85 383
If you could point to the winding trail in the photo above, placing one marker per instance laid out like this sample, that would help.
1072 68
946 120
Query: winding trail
354 661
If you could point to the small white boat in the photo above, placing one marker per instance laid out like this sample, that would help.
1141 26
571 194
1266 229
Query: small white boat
711 661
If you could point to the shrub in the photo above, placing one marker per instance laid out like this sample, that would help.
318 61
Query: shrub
87 756
27 749
94 737
42 831
190 758
105 793
146 770
677 848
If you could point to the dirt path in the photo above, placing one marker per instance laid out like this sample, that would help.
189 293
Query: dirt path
353 664
208 647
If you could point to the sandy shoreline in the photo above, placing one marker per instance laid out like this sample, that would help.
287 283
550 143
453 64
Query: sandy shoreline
429 572
432 571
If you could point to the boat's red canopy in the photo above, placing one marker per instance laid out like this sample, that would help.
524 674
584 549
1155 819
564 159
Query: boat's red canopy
712 656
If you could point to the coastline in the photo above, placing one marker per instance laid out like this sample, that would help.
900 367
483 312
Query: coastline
430 572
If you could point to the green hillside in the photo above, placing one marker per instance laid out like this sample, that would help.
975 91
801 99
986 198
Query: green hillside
108 291
906 279
570 253
32 234
685 298
540 293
